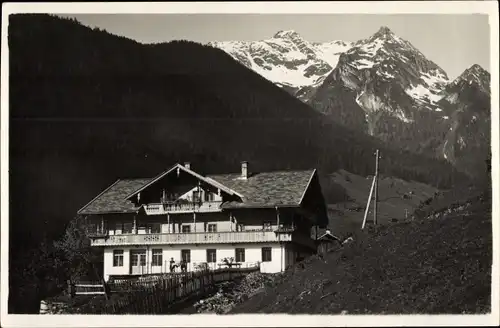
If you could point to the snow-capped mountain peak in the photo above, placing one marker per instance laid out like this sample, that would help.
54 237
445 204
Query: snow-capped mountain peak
289 34
475 75
383 33
381 85
286 58
392 59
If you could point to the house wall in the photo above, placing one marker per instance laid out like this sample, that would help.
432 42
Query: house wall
281 257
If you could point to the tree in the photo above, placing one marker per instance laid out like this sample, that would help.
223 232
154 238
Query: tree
75 251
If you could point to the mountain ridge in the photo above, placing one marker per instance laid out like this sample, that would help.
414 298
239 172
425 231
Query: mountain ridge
286 58
384 86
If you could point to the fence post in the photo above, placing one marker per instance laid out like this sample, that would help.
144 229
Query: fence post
106 288
71 289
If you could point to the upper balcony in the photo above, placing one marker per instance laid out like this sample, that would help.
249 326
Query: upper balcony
194 238
182 207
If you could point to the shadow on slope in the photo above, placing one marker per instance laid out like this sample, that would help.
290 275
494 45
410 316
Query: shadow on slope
437 265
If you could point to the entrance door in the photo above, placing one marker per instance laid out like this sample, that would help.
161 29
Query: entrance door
138 261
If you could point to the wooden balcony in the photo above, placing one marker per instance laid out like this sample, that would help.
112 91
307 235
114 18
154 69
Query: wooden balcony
228 237
165 208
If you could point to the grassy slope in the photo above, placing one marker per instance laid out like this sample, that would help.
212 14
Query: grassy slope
440 264
347 214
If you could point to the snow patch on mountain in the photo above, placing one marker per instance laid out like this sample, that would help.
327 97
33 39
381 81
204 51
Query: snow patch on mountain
422 94
331 51
286 58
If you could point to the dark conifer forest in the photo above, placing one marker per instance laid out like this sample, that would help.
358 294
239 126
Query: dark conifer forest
88 107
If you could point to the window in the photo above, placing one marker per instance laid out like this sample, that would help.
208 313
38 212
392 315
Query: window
157 257
212 227
211 255
138 257
127 227
155 228
118 227
239 254
186 255
209 197
118 257
266 254
186 228
196 196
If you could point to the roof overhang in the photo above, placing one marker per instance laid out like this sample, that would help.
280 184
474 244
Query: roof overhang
329 236
307 186
253 206
109 212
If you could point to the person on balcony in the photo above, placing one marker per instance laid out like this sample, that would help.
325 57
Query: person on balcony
172 264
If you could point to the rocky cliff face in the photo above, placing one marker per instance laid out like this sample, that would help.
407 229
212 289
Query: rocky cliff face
467 102
384 86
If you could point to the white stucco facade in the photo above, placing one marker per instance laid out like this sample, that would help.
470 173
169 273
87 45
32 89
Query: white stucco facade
281 257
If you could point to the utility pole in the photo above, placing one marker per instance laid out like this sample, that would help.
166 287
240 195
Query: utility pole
376 188
368 204
372 189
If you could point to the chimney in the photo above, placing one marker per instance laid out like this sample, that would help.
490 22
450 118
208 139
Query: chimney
187 165
244 170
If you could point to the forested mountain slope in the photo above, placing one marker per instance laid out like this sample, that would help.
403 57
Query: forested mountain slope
88 107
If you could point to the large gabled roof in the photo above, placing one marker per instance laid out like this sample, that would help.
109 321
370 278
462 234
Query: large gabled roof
112 199
259 190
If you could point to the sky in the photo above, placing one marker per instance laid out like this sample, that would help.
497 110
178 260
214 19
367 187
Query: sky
453 41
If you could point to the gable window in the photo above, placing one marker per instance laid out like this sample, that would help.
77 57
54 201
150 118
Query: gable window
212 227
186 255
239 254
211 255
266 254
209 197
157 257
118 257
186 228
196 196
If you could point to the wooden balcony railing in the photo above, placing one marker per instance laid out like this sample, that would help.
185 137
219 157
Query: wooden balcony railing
192 238
164 208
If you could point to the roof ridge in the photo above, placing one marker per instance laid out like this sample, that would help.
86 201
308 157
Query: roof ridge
257 172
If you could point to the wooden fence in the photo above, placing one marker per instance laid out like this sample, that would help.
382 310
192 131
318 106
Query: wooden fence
87 288
161 295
